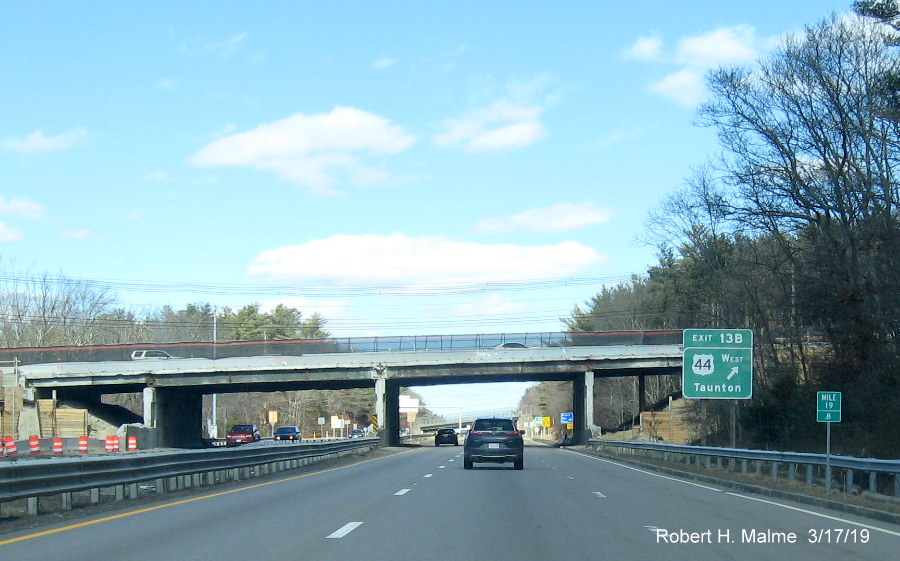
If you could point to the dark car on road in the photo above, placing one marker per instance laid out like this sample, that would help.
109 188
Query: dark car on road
446 436
242 434
494 440
288 432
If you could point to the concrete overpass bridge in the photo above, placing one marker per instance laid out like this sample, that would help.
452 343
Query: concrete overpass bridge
173 388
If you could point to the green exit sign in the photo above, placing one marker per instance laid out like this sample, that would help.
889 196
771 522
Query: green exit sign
828 407
717 364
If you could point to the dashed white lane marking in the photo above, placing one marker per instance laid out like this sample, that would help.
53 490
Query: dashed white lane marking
441 467
344 530
599 495
401 492
427 475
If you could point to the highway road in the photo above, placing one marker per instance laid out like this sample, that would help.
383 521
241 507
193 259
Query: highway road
415 504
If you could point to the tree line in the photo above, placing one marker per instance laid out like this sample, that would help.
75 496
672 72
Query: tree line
793 230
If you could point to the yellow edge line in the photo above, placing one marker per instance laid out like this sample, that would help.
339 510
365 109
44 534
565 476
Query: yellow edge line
181 502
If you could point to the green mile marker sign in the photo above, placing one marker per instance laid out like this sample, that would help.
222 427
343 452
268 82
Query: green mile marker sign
717 364
828 407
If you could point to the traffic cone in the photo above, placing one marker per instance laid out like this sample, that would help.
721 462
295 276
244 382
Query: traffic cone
83 445
132 443
57 446
9 445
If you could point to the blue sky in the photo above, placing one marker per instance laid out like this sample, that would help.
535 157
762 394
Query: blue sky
399 167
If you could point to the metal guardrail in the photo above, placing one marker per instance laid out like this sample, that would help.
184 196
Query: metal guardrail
849 466
167 470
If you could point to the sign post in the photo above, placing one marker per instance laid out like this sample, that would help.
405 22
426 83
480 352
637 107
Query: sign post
717 364
828 410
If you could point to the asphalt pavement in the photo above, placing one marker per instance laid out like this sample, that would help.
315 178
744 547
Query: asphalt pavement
418 503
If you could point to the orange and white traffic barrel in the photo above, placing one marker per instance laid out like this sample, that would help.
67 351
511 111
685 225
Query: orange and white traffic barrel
112 444
57 446
9 445
83 445
132 443
34 444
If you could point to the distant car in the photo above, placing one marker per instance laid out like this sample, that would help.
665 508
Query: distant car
511 346
446 436
148 354
494 440
357 433
288 432
242 434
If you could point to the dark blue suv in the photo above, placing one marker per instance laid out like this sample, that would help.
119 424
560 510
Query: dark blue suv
494 440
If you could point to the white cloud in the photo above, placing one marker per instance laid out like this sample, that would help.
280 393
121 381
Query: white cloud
696 55
494 305
619 136
382 63
557 218
401 260
21 208
9 233
685 86
37 142
161 176
727 45
228 46
501 126
167 84
309 150
79 234
645 48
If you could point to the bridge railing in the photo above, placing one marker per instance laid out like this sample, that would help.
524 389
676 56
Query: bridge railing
876 477
158 472
296 347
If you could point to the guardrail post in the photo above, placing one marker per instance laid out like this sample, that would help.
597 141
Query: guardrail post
809 474
873 482
848 484
775 466
94 495
792 471
758 467
32 506
66 501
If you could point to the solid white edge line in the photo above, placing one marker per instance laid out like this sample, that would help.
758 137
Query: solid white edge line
344 530
401 492
646 472
773 503
814 513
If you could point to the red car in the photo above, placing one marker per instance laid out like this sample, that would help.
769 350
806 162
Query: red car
242 434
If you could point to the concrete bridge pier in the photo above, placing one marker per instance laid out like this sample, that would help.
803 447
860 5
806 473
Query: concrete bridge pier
387 408
583 407
176 414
